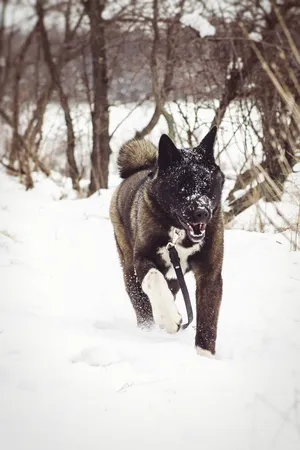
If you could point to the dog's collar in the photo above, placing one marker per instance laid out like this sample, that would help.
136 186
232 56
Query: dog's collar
176 234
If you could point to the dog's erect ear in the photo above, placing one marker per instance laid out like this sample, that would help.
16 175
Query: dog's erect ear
168 153
206 146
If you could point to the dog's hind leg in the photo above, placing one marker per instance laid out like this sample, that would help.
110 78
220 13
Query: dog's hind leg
139 299
173 286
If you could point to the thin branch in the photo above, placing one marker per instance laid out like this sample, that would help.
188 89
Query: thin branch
22 142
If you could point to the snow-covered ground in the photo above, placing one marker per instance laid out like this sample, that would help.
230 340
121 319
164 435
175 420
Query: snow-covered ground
76 373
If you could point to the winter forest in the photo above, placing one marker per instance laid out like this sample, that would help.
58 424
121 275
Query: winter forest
78 79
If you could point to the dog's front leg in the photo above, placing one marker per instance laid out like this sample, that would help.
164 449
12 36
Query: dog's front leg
208 300
155 286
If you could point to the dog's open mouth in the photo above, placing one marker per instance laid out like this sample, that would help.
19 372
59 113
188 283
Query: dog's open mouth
195 231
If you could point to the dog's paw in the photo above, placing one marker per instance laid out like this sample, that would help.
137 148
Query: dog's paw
168 318
173 322
145 325
201 352
161 298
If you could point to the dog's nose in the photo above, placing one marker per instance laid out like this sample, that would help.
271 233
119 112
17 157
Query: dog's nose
202 214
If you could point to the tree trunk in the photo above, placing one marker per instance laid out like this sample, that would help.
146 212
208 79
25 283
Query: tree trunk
279 154
72 166
100 117
17 152
161 92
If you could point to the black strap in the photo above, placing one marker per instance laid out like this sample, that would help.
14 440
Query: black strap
176 264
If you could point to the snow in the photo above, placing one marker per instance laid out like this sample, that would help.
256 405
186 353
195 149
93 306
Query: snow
255 36
199 23
76 373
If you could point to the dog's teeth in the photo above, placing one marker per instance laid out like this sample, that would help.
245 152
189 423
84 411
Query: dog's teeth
202 227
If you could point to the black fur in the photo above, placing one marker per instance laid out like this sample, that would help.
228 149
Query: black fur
179 188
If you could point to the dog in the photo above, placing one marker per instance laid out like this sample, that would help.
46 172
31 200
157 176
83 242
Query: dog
163 191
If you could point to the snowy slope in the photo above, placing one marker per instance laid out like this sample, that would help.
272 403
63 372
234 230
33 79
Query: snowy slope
76 373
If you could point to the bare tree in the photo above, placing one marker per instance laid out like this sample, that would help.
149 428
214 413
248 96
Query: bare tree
245 68
104 52
100 117
161 89
55 75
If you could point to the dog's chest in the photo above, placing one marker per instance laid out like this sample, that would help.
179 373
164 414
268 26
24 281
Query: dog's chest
183 253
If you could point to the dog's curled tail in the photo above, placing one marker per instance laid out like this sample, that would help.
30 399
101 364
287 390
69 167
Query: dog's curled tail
135 156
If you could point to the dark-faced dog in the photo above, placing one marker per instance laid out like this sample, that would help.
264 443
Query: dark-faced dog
163 191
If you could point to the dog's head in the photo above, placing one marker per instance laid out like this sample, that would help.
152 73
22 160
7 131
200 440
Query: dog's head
188 184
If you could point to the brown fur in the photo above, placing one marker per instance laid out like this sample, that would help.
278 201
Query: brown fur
136 155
